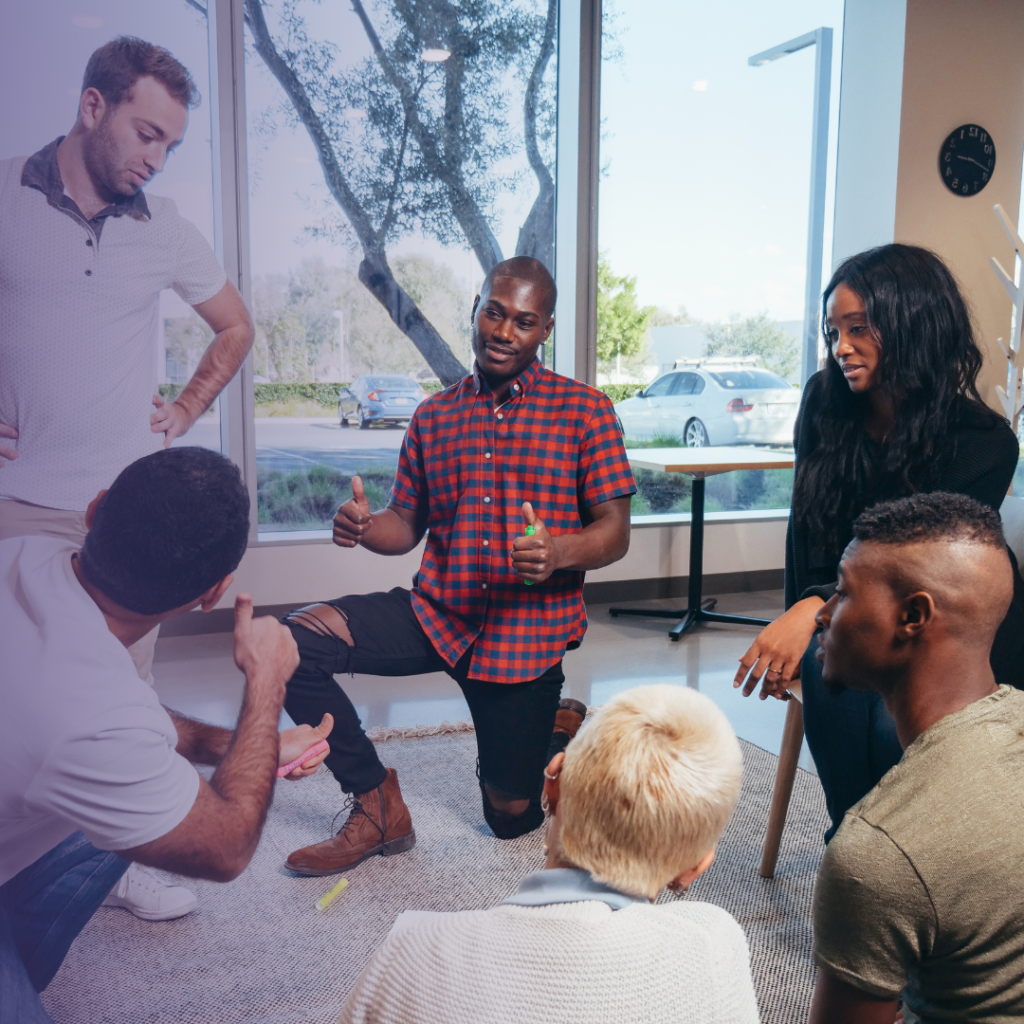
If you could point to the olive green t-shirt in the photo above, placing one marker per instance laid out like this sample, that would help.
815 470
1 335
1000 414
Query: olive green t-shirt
922 887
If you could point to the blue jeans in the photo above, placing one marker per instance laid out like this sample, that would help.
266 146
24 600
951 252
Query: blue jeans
42 910
852 739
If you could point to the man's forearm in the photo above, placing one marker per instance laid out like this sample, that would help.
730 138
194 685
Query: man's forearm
391 533
220 362
198 742
595 546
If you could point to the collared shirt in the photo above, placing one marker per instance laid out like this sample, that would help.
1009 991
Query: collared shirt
567 885
467 468
79 318
42 172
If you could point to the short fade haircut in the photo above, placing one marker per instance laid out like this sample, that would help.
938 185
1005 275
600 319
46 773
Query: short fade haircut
930 517
524 268
648 786
172 525
116 66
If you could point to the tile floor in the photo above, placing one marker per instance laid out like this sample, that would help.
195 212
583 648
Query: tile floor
196 675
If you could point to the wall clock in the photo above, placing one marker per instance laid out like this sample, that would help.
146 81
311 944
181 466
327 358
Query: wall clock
967 160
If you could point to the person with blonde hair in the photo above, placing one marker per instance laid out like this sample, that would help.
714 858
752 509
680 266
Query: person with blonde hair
637 803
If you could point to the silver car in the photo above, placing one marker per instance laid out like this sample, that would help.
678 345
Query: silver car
713 402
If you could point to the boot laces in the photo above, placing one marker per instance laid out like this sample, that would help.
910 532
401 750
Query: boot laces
353 806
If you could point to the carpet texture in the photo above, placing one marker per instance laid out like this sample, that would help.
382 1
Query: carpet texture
256 951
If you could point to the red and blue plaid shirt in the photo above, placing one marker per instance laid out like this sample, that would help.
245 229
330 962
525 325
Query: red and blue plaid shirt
467 469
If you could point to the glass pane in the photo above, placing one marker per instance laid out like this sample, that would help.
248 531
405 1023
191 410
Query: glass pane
44 49
703 227
439 152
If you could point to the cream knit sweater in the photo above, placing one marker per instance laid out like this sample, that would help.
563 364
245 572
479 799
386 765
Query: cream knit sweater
679 963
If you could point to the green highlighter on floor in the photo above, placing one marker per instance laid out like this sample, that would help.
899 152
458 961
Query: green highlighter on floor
530 531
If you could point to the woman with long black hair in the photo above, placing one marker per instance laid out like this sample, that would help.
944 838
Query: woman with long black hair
895 411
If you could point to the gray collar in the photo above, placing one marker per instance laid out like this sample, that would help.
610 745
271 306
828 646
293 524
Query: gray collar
42 172
567 885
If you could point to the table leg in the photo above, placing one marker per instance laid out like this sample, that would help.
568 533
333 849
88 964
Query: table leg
697 609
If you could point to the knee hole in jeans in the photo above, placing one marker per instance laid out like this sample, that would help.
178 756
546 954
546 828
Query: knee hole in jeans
324 620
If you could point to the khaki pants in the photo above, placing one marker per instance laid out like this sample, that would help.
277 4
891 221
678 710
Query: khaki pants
19 519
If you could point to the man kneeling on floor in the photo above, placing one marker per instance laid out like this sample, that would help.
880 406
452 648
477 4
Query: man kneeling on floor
638 802
921 890
519 478
90 763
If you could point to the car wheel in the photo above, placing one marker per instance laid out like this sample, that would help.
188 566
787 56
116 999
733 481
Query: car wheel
343 419
364 423
696 435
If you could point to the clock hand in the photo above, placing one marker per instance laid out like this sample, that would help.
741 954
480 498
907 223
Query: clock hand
971 160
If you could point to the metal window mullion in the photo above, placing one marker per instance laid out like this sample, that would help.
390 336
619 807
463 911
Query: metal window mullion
226 24
579 114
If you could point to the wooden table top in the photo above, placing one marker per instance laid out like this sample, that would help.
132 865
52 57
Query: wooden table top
708 461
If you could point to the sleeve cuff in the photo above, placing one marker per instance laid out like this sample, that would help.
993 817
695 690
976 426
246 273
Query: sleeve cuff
855 981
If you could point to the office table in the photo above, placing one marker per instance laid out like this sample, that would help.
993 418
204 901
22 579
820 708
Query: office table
700 463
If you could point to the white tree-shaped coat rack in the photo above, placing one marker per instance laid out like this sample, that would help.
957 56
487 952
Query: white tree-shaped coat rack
1011 396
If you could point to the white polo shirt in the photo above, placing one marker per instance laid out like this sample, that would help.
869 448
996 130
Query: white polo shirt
84 743
79 307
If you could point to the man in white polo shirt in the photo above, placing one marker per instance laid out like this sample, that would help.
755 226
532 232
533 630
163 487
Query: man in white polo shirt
84 255
94 773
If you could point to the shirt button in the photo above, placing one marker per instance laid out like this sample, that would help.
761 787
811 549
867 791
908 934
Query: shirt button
487 501
515 387
487 543
483 586
487 455
501 416
88 241
88 273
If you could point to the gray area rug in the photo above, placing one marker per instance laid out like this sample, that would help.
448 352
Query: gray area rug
257 951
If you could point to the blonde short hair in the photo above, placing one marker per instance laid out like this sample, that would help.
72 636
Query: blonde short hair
648 786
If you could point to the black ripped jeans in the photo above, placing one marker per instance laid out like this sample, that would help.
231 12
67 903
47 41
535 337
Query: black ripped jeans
514 721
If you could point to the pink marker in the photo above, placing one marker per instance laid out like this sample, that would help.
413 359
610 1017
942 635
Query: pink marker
318 748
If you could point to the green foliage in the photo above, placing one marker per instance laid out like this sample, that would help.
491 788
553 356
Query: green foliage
306 499
622 324
755 336
169 392
662 317
619 392
285 391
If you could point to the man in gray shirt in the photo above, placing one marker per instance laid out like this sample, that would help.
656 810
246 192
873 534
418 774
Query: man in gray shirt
83 259
920 892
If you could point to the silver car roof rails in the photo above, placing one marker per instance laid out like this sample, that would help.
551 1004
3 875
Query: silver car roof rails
717 361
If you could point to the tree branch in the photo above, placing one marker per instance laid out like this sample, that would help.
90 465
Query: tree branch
374 271
537 235
471 219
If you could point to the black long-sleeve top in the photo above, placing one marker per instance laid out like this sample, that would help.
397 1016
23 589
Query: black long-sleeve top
979 462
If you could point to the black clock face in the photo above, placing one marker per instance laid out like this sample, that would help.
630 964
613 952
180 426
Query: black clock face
967 160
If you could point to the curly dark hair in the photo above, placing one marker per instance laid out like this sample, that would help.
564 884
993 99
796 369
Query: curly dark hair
116 66
930 517
172 525
929 363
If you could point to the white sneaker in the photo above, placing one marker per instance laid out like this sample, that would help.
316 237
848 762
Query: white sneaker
147 897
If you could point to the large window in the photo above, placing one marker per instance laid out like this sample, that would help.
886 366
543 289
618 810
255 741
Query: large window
43 53
435 161
703 231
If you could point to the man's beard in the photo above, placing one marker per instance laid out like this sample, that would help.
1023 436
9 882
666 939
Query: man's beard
102 161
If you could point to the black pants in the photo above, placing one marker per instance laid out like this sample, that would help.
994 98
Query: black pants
513 721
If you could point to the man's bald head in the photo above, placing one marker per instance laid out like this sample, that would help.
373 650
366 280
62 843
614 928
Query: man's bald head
525 268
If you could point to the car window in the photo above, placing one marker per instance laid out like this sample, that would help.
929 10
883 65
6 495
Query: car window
748 379
684 386
405 383
662 386
699 386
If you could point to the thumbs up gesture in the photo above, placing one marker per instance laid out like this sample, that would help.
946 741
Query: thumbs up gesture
353 519
535 557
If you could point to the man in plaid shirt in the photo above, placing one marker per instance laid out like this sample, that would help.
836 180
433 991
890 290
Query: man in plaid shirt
510 446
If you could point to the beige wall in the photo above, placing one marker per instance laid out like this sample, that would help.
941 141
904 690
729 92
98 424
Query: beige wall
963 63
302 573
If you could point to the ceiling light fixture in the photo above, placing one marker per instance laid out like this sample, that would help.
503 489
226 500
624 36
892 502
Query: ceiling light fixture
435 55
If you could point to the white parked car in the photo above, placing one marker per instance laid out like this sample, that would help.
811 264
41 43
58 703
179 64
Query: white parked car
713 402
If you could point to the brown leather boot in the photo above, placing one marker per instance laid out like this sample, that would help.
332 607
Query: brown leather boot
569 717
379 822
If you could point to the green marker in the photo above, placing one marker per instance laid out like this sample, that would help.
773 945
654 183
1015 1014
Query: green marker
530 531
